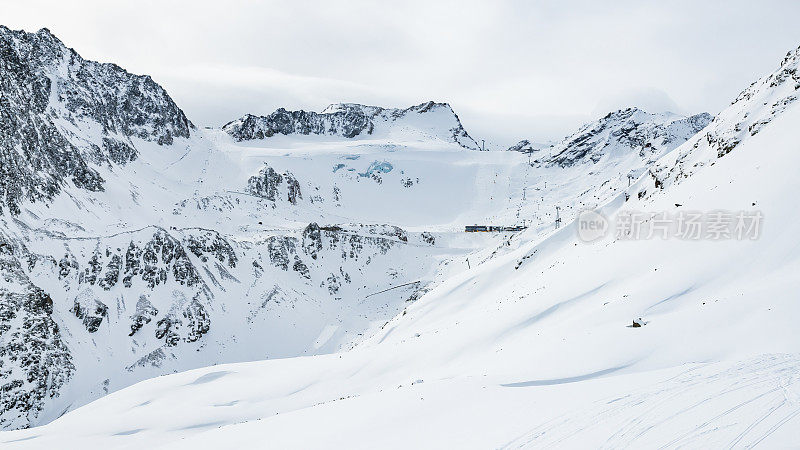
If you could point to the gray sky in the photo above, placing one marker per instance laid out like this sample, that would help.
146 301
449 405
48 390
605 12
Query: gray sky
510 69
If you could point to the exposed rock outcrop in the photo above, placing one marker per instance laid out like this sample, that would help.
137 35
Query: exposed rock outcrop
35 363
47 91
349 120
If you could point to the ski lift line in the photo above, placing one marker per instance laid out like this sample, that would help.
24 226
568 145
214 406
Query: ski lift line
394 287
91 238
492 228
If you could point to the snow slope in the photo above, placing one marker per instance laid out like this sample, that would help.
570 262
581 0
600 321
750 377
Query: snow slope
531 345
134 245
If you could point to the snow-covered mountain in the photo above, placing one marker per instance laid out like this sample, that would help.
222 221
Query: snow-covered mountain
339 236
175 255
597 163
618 133
429 120
753 109
298 233
63 115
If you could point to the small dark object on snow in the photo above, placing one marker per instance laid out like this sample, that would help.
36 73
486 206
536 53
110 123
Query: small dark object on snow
678 205
638 323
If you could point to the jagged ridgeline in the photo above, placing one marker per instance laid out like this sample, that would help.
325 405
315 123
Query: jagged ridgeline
620 133
350 120
50 97
653 134
753 109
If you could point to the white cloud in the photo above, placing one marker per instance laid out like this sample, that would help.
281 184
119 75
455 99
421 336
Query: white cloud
647 98
512 69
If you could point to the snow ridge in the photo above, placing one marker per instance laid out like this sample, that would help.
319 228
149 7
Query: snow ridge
755 107
350 120
624 131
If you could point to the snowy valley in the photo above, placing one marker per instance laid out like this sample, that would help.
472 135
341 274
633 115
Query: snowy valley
304 280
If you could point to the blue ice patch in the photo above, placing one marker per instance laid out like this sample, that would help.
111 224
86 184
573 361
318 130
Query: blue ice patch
377 166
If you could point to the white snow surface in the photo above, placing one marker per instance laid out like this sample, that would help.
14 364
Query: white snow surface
525 345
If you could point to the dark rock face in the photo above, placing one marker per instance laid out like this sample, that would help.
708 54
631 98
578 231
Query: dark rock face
348 124
34 361
152 359
293 188
211 243
268 184
154 261
145 311
66 266
118 151
279 249
191 322
166 329
112 272
312 240
197 321
162 256
300 267
42 83
350 243
347 120
787 79
287 252
524 146
265 184
91 313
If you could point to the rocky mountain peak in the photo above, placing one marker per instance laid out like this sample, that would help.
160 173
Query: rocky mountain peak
528 147
753 109
350 120
624 131
61 116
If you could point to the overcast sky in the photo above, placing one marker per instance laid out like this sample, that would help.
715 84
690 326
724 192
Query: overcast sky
510 69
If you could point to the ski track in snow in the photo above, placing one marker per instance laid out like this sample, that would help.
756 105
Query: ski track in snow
708 405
